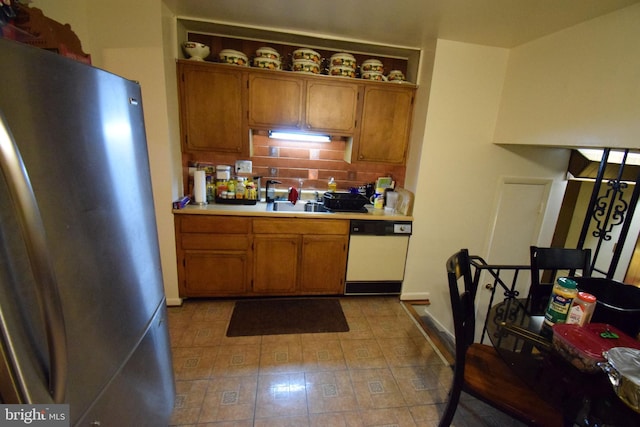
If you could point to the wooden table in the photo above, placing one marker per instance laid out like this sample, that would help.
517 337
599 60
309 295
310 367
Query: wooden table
525 344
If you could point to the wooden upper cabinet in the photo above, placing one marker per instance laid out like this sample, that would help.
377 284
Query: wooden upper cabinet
275 100
301 103
331 106
212 108
386 124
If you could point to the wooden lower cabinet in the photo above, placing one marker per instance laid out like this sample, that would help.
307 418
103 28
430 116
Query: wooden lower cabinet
233 256
214 255
299 256
275 264
323 264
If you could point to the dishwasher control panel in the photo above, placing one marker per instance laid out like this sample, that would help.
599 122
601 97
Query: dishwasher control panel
380 228
401 228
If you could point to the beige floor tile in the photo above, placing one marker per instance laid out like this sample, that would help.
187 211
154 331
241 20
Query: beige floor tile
229 399
282 354
419 385
336 419
401 351
281 395
190 363
363 354
188 403
330 392
376 388
358 329
282 422
202 333
400 417
382 372
237 360
323 355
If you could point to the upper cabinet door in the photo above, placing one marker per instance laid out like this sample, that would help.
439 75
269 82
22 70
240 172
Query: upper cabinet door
331 106
211 108
386 124
275 101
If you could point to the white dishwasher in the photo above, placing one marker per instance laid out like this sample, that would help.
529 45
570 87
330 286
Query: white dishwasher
377 255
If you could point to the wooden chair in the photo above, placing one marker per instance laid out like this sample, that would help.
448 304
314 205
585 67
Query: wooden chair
552 260
478 369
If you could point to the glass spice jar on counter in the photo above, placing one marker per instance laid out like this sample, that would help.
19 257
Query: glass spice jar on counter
581 309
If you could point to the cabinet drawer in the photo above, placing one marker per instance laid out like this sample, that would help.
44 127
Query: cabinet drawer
300 226
215 224
231 242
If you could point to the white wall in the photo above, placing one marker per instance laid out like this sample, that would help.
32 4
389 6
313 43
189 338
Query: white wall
577 87
126 38
460 168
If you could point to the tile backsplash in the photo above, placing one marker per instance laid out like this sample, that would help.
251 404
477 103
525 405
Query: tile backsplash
313 163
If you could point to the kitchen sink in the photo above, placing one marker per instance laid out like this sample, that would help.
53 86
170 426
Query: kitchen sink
301 206
287 206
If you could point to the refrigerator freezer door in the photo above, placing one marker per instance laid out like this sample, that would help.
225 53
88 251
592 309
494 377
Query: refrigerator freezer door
148 406
81 134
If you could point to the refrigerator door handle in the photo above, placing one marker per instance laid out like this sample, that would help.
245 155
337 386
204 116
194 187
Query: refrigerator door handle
33 231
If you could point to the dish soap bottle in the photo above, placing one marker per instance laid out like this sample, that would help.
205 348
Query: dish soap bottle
332 186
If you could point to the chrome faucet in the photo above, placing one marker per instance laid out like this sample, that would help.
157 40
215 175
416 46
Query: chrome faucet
270 198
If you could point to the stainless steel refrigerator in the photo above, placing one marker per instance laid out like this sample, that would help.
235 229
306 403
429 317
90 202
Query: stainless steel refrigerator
82 306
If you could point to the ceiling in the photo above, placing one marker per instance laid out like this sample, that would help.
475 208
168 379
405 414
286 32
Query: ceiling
405 23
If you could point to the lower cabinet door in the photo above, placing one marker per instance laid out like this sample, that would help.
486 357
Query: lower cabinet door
324 258
275 263
215 273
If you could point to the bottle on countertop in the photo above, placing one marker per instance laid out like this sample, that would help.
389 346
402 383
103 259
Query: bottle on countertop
562 295
581 309
240 188
332 185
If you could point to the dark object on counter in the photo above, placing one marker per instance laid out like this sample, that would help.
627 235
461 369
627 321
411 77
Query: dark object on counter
269 195
344 202
235 201
617 303
287 316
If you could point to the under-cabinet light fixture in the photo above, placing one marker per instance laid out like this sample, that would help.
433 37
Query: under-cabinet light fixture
299 136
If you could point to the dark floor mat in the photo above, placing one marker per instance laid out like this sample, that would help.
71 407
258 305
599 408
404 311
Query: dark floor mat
286 316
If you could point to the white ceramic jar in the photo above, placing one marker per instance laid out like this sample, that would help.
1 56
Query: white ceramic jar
342 60
307 54
267 52
230 56
372 65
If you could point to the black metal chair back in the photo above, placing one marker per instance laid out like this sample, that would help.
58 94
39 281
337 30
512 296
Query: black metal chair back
551 261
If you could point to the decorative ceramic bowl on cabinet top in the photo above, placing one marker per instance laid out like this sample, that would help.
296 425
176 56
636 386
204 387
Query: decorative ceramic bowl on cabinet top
342 71
373 75
230 56
372 65
268 63
342 59
395 75
307 54
196 51
305 66
268 52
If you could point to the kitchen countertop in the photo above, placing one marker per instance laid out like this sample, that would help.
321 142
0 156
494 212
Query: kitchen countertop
261 210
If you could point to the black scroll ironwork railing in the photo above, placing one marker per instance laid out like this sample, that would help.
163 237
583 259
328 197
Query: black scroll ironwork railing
506 282
608 210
